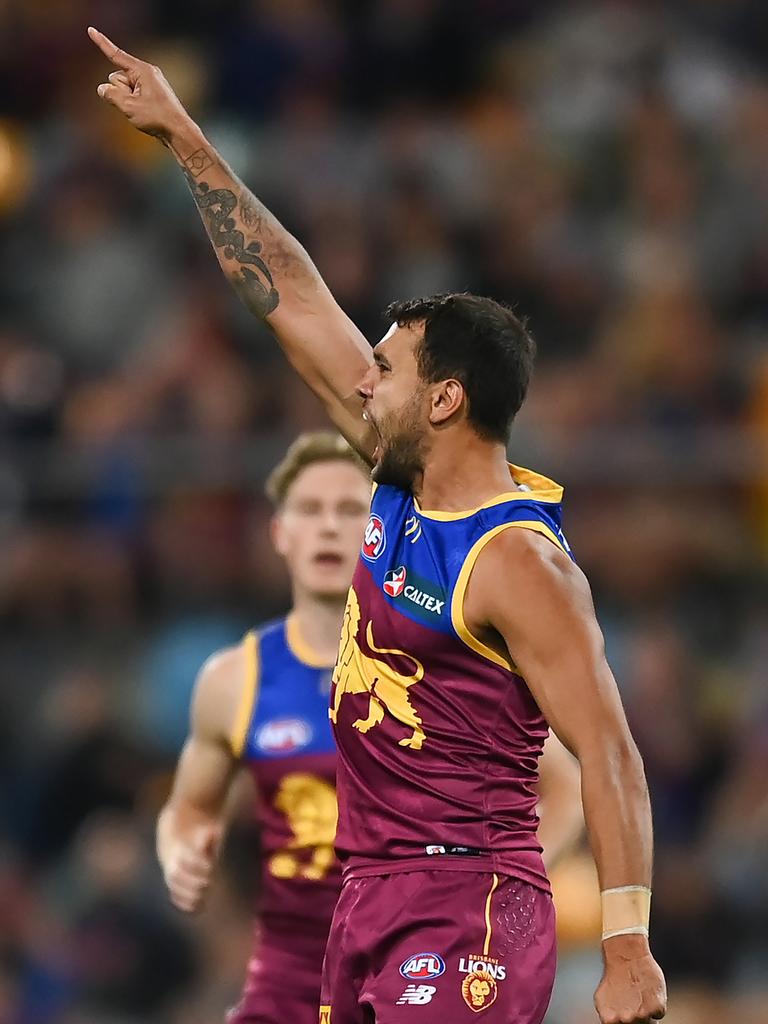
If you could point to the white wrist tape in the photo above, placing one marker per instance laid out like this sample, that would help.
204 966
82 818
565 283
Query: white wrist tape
626 910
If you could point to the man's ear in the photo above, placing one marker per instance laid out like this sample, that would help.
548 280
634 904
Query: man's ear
447 398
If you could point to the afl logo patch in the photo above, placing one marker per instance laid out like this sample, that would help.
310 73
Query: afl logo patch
422 966
374 539
283 736
394 581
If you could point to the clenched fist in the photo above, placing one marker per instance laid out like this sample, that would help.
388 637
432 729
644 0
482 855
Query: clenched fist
632 990
141 92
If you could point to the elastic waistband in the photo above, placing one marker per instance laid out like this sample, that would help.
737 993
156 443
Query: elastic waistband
363 866
477 862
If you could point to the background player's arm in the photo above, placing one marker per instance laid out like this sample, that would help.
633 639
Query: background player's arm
556 644
191 825
265 264
560 811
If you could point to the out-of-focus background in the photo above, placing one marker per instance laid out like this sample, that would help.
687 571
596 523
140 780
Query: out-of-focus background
603 166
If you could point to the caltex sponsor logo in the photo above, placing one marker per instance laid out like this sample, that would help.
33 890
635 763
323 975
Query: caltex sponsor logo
415 590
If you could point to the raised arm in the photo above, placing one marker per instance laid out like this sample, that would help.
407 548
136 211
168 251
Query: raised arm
553 638
265 264
191 825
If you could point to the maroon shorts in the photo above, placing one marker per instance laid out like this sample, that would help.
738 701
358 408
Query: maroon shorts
455 944
281 986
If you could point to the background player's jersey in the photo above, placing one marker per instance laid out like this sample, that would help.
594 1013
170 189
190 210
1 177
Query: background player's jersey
438 736
284 737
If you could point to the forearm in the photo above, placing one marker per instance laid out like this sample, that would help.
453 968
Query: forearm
181 822
164 833
263 262
278 282
618 814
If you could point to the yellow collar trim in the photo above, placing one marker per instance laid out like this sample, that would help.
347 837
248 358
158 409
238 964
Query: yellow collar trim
300 648
539 488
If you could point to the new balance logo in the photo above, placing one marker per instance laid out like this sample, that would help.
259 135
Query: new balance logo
417 995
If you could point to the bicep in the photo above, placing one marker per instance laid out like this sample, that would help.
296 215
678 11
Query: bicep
332 356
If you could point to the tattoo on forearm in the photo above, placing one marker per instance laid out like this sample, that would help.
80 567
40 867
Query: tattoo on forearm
221 210
198 162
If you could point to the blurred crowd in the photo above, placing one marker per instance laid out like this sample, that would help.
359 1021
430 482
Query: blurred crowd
601 165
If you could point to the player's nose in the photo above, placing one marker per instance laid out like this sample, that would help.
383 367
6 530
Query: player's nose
365 387
330 523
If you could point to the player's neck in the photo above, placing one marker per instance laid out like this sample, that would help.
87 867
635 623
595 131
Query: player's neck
318 622
464 475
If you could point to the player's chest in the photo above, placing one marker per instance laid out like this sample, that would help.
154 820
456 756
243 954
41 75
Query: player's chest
291 718
407 570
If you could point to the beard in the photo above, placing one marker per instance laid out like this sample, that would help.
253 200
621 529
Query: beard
403 448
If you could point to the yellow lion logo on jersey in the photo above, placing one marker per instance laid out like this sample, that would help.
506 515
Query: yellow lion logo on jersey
357 672
309 805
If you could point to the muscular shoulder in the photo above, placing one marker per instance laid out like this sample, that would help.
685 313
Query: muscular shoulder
528 555
521 572
218 692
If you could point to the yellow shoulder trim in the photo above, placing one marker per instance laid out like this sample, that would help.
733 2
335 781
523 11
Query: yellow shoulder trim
374 487
538 488
249 695
460 590
299 647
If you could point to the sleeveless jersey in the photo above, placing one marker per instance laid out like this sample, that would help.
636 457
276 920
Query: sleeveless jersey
283 735
438 736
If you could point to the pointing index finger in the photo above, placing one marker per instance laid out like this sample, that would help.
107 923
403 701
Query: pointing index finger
111 51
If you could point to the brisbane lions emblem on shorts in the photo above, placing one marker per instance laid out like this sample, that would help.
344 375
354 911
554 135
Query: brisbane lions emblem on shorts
394 581
375 538
479 990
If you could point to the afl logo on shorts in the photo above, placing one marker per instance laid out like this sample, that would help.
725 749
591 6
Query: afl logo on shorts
374 539
422 966
394 581
283 736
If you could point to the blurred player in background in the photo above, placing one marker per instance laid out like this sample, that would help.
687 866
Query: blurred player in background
264 705
468 627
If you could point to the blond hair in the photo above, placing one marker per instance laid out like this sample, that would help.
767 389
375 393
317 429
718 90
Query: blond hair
306 450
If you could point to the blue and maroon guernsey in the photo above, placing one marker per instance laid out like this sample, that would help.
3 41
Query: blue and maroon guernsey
438 736
283 735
